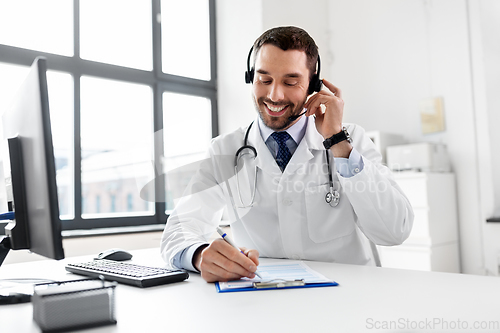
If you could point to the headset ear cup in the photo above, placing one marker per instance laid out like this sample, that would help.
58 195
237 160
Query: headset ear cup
249 76
319 84
315 84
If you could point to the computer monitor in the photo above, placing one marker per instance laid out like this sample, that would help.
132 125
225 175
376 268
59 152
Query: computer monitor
26 127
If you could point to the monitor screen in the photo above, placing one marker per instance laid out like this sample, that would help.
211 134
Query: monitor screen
26 127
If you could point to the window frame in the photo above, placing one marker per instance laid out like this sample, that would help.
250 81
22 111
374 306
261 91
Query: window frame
158 81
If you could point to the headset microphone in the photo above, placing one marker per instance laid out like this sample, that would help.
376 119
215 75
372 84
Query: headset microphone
292 118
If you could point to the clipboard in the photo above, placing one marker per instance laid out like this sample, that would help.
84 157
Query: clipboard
276 285
284 275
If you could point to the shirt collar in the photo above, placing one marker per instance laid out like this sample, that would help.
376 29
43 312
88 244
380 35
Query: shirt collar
296 131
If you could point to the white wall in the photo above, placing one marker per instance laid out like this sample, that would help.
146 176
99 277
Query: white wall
485 53
490 29
239 23
387 56
311 17
381 62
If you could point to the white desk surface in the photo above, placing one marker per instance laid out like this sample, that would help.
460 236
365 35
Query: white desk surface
367 299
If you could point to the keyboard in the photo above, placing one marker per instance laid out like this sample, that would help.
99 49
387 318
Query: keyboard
127 273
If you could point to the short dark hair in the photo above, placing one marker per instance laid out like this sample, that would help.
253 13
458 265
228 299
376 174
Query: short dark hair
290 38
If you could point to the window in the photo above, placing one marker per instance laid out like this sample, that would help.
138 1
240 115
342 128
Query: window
113 203
130 203
118 33
97 203
193 58
118 74
116 126
61 88
181 147
38 25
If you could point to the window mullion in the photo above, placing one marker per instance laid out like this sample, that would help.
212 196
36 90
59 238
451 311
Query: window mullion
160 195
213 45
156 26
157 114
77 151
76 29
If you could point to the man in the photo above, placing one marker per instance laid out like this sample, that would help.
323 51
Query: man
302 190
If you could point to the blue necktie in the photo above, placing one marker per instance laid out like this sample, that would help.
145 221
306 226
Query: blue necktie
284 154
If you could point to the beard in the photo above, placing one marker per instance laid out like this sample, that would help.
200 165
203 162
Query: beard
282 122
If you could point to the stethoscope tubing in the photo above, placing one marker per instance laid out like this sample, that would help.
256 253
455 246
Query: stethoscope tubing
332 197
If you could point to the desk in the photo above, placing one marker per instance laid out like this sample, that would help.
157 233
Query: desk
367 298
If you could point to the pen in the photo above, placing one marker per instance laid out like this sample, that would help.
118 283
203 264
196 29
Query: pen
230 242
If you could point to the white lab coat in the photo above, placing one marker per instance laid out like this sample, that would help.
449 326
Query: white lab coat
289 217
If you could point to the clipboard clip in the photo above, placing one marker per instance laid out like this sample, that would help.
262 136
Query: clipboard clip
278 284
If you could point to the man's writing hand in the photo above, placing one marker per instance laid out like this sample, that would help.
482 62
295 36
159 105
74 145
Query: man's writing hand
221 262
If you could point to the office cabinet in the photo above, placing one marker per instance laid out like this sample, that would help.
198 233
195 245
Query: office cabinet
433 242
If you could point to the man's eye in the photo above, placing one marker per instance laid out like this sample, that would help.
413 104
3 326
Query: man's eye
291 83
266 81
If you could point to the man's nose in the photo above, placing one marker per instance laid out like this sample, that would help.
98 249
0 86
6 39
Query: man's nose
275 92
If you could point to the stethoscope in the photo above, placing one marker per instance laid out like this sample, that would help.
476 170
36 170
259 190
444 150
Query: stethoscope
332 197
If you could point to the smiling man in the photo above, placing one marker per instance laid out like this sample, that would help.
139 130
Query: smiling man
277 92
304 185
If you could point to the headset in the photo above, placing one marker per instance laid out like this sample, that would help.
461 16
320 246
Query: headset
314 85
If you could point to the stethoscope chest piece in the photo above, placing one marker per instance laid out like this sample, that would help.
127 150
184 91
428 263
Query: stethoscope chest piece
332 198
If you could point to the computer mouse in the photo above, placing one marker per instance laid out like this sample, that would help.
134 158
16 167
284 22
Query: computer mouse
114 254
